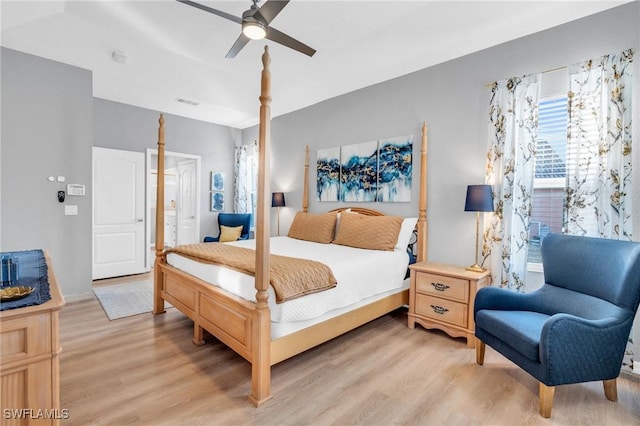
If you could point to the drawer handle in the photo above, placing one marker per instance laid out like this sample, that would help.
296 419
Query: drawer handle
440 286
439 309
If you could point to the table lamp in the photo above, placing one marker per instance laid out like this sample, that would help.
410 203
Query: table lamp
277 200
479 199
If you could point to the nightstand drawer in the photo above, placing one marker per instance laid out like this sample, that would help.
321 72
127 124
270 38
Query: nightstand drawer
441 309
442 286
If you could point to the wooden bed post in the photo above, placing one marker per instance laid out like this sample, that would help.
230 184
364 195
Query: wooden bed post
305 193
422 215
261 329
158 301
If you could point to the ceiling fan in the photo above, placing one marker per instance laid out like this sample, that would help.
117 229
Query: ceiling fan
255 25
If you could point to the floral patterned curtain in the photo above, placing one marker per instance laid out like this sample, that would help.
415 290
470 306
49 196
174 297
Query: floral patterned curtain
598 199
245 179
510 170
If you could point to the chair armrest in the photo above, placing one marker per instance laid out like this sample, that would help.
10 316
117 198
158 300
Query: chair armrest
209 239
243 237
598 350
500 299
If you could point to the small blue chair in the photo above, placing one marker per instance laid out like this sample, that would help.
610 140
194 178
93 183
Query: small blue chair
232 220
575 327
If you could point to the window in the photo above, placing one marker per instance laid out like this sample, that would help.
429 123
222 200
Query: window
550 173
246 180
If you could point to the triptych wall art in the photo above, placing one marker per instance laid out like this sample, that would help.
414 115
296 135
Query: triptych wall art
366 172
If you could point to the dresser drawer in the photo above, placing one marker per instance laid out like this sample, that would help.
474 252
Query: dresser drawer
25 336
442 286
27 386
441 309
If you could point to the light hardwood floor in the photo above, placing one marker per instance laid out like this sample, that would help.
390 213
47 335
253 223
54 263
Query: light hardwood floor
144 370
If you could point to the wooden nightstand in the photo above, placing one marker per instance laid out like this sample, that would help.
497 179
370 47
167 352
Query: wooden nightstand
442 296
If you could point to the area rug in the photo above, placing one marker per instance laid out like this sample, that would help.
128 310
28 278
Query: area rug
125 300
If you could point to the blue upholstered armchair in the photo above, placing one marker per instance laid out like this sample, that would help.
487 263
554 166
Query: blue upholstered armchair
575 327
232 220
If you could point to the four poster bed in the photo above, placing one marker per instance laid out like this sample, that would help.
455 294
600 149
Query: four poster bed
241 312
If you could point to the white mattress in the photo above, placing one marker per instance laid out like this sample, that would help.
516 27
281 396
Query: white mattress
362 275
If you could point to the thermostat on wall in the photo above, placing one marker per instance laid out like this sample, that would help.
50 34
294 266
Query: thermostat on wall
75 189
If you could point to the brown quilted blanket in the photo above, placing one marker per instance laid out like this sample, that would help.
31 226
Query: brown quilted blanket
290 277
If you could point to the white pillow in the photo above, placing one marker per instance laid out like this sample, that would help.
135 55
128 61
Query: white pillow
338 218
404 236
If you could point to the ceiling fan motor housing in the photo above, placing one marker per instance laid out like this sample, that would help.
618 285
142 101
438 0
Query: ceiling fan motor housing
252 26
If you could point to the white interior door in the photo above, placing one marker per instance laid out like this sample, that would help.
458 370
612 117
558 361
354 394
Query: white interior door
118 213
185 187
187 209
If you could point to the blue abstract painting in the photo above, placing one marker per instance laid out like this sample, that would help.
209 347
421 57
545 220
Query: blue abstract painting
395 169
358 179
217 181
328 174
217 201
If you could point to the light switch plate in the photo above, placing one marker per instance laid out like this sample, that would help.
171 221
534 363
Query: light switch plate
70 210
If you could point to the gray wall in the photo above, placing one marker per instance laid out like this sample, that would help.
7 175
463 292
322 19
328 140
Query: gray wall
453 100
47 130
50 121
121 126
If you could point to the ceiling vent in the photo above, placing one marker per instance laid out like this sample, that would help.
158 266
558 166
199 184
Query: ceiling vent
187 102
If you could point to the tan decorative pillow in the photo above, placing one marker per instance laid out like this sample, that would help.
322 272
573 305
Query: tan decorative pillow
230 233
368 232
318 228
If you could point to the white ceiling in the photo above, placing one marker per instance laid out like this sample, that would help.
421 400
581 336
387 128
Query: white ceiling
176 51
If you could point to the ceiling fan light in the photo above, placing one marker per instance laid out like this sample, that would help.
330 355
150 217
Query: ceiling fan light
254 30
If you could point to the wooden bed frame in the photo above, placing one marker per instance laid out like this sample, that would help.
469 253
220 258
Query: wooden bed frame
245 326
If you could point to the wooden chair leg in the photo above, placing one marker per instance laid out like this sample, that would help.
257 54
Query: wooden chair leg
611 389
480 346
546 399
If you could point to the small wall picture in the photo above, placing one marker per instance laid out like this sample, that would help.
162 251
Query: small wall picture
217 181
217 201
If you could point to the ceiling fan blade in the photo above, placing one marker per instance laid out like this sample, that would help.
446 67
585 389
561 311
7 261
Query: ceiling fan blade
225 15
241 42
285 40
270 9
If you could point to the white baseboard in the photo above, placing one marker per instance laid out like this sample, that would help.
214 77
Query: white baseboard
636 367
78 297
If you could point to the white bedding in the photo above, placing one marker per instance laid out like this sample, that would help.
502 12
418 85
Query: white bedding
361 275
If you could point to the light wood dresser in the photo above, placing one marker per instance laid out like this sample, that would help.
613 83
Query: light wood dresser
441 296
29 361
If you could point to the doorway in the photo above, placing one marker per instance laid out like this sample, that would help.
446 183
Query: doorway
181 198
118 231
